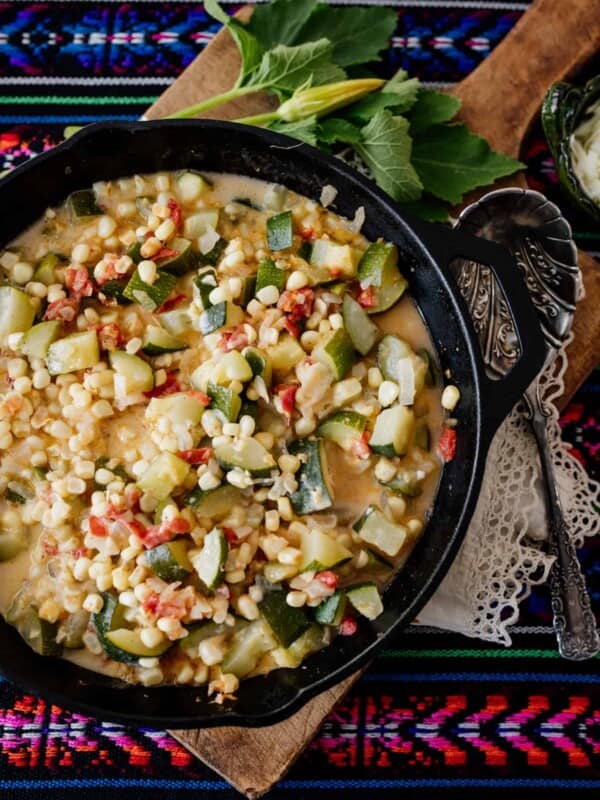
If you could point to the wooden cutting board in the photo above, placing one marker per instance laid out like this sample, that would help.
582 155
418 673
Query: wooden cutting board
500 100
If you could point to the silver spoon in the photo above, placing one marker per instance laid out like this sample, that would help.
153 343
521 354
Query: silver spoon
540 239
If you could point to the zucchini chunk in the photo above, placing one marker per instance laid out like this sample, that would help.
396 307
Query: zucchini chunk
275 572
38 339
286 623
392 351
132 374
393 431
343 427
405 483
339 258
179 408
16 312
119 642
285 355
361 330
280 234
39 634
260 364
162 476
83 204
377 530
337 352
321 551
45 272
158 341
225 401
203 284
210 563
309 642
197 224
150 295
331 611
249 455
221 315
269 274
207 630
314 492
72 353
366 599
247 647
214 503
176 321
191 186
185 260
378 268
170 560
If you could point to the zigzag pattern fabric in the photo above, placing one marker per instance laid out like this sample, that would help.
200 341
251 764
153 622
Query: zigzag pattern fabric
436 715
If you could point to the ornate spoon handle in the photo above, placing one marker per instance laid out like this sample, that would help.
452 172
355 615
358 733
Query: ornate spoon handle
574 621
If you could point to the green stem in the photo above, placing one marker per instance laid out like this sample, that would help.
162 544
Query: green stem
259 119
211 102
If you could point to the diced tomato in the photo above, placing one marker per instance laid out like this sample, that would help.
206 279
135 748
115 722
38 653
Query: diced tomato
171 303
202 398
159 534
236 339
175 210
170 386
78 282
165 252
132 497
151 603
307 234
286 393
64 310
50 548
335 272
230 535
198 455
98 526
348 627
366 297
79 552
291 327
360 448
297 303
328 578
108 272
109 336
447 444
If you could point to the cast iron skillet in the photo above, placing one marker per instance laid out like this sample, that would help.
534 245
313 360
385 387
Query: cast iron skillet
112 150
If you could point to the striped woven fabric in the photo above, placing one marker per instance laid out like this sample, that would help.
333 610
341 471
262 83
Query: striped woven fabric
437 715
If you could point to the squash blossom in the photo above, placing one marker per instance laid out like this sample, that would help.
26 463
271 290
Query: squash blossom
320 100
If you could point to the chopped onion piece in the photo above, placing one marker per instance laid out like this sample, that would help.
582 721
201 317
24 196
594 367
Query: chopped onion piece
406 379
208 240
356 224
328 195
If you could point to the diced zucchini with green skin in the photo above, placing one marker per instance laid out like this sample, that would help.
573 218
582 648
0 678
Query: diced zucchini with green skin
204 283
286 623
366 600
260 364
304 251
191 186
213 255
170 560
12 543
285 355
248 289
135 251
221 315
361 330
423 436
179 408
275 572
249 408
331 611
248 455
377 530
232 366
321 551
405 483
247 647
118 642
16 312
45 272
309 642
83 204
269 274
225 400
185 260
314 492
132 374
393 431
211 562
377 564
337 352
164 474
379 268
39 634
343 427
38 339
391 350
150 296
280 234
158 341
115 289
73 629
214 503
339 259
198 223
207 630
72 353
176 321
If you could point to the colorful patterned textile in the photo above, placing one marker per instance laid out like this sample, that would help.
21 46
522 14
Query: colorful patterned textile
437 715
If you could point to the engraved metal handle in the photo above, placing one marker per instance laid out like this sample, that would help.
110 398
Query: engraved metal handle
574 622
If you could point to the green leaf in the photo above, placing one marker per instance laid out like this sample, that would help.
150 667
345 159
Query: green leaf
432 108
251 51
428 208
356 34
450 161
286 68
334 130
280 22
366 108
304 129
386 149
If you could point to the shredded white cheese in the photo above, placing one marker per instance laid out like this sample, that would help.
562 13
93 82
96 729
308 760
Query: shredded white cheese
585 153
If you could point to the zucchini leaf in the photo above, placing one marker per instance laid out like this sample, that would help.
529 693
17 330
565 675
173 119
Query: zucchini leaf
284 68
427 207
334 129
432 108
450 161
303 129
280 22
386 147
251 51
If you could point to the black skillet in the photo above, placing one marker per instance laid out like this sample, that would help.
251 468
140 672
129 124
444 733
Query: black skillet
112 150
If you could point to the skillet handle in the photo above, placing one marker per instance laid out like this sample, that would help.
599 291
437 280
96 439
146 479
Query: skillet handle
501 395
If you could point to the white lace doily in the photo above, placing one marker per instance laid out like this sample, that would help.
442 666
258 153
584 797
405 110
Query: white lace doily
502 555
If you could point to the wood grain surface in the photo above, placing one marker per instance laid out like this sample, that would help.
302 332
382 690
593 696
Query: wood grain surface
500 101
